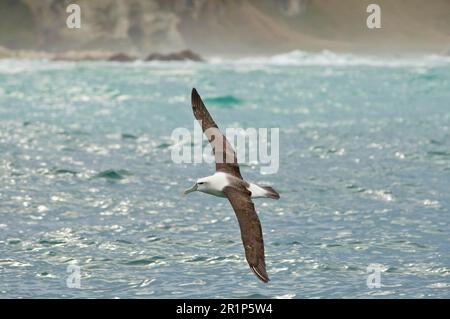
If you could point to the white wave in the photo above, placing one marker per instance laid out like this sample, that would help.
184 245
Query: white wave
15 66
328 58
294 58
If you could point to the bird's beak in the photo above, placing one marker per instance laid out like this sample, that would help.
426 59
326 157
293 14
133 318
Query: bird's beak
192 189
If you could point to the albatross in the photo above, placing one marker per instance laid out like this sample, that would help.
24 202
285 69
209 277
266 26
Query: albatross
228 182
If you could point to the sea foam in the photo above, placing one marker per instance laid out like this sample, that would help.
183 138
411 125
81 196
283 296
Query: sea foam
329 58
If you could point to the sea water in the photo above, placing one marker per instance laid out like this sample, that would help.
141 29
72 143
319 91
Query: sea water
89 190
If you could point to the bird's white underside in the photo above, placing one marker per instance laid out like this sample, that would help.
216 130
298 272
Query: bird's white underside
215 184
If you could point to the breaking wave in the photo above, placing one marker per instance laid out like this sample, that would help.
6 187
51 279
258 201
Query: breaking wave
328 58
16 66
293 58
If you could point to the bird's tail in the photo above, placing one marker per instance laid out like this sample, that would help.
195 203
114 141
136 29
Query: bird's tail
271 193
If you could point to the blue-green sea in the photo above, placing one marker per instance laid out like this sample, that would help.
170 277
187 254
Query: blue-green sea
87 178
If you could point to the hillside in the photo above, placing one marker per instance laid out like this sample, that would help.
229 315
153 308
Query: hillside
226 27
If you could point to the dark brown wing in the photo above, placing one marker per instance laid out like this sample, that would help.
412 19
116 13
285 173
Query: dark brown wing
224 154
251 231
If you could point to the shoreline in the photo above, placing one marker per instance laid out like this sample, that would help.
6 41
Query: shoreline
112 56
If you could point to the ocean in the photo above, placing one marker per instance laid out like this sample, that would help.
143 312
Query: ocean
89 190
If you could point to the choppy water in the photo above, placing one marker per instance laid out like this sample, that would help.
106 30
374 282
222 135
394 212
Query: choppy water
86 177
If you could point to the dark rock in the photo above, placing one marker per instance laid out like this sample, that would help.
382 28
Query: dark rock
121 57
175 56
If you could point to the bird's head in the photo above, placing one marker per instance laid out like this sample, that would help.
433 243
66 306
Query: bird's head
200 185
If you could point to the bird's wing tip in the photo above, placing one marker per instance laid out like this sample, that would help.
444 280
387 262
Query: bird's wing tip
262 276
195 97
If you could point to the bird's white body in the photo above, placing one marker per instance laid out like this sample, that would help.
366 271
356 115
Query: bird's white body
215 184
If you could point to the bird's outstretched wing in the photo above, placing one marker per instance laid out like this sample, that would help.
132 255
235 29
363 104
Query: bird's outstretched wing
250 226
226 160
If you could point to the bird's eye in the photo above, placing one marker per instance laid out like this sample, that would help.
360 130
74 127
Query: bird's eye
201 183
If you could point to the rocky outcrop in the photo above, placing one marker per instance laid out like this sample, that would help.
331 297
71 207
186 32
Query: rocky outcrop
97 55
175 56
122 57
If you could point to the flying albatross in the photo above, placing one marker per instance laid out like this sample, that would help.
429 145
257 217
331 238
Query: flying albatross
228 182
